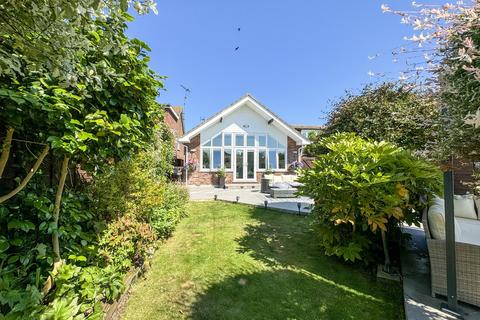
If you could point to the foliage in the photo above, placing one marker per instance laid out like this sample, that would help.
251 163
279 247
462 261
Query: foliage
390 112
361 187
131 188
449 37
126 241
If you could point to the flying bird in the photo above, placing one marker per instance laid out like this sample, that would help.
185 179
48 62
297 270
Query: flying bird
238 28
237 48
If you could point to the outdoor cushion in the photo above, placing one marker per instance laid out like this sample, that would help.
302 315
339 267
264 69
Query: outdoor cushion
469 231
281 185
464 207
277 179
436 222
268 176
295 184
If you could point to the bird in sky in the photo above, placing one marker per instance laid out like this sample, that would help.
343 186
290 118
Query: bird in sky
238 28
236 48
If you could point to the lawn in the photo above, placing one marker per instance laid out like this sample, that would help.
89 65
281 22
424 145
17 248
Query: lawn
231 261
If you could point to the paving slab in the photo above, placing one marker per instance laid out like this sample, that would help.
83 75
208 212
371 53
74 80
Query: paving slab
251 196
419 303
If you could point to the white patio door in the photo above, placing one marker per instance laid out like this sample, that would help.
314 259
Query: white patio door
245 165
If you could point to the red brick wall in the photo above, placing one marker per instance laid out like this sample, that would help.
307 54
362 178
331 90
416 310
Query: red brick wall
462 174
292 151
176 126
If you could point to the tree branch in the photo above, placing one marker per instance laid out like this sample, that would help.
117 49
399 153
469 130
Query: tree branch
28 176
6 150
56 209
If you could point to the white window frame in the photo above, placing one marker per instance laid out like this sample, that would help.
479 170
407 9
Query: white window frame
234 146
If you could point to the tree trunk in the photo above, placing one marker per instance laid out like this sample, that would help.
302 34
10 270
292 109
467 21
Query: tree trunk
6 150
28 176
56 209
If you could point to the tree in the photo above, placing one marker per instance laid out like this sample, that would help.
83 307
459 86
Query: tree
101 107
390 112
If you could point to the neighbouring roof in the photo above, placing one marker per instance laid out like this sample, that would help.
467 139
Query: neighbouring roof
259 108
307 127
176 111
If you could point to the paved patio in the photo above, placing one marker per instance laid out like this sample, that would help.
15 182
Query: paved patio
251 196
419 303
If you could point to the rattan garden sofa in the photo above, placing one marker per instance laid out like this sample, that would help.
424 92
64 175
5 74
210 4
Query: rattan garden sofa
468 266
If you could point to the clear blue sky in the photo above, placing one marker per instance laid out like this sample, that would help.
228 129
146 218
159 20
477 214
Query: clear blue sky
293 56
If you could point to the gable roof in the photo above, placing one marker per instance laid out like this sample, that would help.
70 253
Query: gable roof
256 106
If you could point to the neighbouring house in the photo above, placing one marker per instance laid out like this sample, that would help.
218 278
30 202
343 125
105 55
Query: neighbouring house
245 139
306 130
174 119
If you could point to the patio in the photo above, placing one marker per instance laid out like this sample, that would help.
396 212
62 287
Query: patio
419 303
250 194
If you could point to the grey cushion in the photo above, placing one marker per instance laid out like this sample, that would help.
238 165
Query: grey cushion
281 185
295 184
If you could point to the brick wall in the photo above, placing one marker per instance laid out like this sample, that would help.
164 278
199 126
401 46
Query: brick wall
462 173
176 126
292 151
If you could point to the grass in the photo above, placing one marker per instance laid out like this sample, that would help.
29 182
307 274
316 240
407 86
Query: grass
231 261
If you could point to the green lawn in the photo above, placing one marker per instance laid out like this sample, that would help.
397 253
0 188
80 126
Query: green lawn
230 261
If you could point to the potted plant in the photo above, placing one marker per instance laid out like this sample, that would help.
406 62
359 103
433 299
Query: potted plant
265 182
221 178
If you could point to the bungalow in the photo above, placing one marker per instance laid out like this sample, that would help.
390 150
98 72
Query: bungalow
245 139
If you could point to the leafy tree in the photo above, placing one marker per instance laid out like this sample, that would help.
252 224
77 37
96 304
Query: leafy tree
390 112
107 108
361 187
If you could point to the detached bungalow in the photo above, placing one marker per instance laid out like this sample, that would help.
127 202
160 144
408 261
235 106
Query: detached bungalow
245 139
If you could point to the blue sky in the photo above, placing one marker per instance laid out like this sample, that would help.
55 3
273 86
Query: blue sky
293 56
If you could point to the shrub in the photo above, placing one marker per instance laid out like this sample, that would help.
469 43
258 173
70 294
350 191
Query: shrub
389 111
360 187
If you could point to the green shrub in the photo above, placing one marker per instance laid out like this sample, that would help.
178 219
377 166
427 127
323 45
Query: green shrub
360 187
126 242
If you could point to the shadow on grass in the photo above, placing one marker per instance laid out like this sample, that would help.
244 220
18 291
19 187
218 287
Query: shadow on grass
286 294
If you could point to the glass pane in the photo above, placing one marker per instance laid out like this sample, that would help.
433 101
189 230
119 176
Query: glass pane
239 164
217 141
250 164
251 141
262 159
206 159
239 140
227 159
281 159
207 143
262 141
227 139
217 159
280 145
272 159
272 143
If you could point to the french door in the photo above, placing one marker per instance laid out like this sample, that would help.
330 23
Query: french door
245 164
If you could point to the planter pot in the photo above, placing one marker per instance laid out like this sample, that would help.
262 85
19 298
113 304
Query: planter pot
265 185
221 182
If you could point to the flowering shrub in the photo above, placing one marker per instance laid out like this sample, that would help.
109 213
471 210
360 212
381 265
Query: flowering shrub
448 38
191 165
361 187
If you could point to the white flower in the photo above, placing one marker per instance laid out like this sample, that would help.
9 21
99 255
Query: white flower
371 73
385 8
473 119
